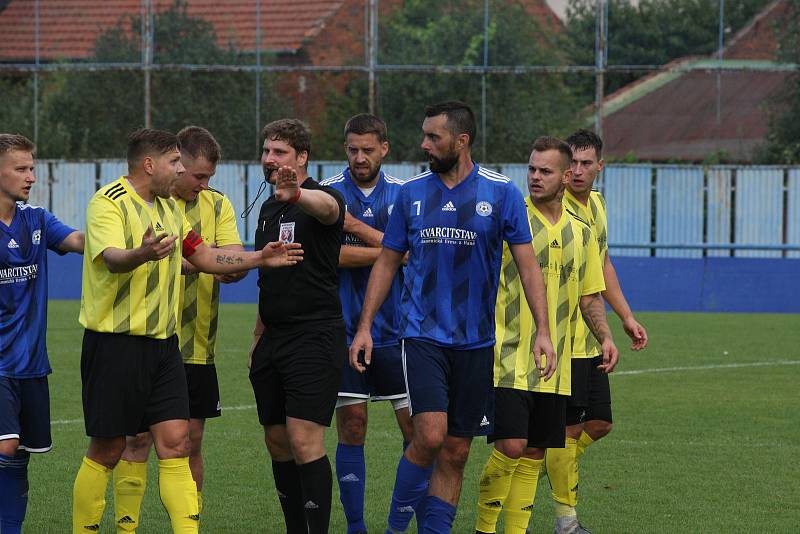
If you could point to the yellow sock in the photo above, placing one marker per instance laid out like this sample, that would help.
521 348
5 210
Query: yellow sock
179 494
519 505
130 481
493 489
199 502
583 441
562 470
89 496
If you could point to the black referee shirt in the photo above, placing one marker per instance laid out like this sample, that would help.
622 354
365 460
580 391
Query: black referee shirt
308 291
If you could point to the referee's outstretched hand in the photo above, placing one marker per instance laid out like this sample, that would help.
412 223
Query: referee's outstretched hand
361 345
279 254
286 187
156 247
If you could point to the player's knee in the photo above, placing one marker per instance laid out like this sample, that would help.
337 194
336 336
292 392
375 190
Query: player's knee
8 447
598 429
512 448
354 431
139 444
428 439
175 446
455 454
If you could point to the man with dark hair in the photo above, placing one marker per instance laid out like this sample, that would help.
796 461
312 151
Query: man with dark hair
589 408
452 220
129 307
211 216
530 412
26 233
369 196
300 345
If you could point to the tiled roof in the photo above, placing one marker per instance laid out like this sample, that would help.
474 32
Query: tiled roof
69 28
672 114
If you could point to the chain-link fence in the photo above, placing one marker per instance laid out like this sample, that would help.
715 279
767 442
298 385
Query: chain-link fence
662 80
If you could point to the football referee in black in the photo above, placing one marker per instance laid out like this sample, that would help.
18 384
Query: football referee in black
299 343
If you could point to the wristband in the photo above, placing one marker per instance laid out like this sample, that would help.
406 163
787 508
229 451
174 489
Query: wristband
296 198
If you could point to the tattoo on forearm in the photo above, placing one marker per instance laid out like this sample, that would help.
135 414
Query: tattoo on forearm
594 315
224 259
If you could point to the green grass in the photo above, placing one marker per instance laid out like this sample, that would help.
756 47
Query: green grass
701 448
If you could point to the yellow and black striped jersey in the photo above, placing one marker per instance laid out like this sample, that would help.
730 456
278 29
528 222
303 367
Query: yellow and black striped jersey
144 301
570 261
594 212
212 217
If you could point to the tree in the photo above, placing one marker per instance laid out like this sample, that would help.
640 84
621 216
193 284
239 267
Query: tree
654 32
450 32
783 139
88 114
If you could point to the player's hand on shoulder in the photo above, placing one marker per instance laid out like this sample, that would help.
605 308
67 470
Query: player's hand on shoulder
155 247
610 356
285 184
636 332
279 254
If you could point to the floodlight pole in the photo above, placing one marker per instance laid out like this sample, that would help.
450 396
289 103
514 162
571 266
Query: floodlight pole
372 55
147 60
600 61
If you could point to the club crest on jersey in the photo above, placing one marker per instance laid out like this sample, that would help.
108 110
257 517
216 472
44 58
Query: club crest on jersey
36 237
449 206
483 208
286 234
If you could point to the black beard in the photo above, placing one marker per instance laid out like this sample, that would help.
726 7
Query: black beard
369 178
442 165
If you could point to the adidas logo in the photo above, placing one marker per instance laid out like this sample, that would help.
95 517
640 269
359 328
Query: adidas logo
126 520
158 227
528 508
195 517
368 213
219 406
406 509
351 477
281 495
555 244
484 421
311 505
13 244
494 504
449 206
93 528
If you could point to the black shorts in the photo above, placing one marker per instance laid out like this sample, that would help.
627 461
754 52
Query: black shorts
538 417
130 383
591 393
296 374
203 390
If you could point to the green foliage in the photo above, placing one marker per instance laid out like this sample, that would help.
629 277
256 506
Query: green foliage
783 139
654 32
88 114
519 107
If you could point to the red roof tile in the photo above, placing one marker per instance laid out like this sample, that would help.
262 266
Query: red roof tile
69 28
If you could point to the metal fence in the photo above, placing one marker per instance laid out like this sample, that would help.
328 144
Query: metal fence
663 211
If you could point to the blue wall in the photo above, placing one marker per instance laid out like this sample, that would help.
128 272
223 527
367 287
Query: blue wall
650 284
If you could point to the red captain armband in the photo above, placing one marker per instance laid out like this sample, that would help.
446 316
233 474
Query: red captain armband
296 197
190 243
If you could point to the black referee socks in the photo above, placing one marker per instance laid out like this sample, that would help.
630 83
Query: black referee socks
317 483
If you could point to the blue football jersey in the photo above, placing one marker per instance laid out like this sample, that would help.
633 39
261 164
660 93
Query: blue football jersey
23 290
455 238
374 211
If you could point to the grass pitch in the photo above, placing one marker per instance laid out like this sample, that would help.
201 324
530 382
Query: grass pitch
705 439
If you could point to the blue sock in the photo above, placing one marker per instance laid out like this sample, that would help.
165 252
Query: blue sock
14 489
439 516
422 506
410 486
351 471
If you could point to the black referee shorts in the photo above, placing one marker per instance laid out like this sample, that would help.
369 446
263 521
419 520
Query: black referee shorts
591 393
130 383
203 385
297 374
538 417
